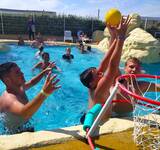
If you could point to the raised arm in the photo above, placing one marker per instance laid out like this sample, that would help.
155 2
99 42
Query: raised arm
55 67
112 32
37 78
58 69
26 111
104 64
38 65
107 80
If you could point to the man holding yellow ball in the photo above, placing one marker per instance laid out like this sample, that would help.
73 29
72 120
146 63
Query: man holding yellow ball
99 80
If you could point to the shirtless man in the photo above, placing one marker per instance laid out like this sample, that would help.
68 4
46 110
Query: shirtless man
132 66
14 103
99 80
68 56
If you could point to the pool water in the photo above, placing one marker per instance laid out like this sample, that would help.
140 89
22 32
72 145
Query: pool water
65 106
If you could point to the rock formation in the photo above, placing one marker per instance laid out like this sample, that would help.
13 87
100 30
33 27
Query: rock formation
97 36
139 43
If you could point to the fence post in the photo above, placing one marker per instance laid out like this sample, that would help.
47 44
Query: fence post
64 24
2 23
92 26
33 16
145 23
98 13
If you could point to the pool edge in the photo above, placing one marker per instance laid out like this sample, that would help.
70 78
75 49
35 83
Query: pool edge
42 138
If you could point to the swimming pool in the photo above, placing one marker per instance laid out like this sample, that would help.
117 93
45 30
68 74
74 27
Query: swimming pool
64 107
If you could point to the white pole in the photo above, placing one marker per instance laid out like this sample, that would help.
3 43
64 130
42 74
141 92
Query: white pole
92 25
64 23
103 110
2 23
145 24
64 28
98 13
33 15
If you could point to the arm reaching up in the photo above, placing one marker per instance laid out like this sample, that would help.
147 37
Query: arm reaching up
27 110
37 78
105 62
107 80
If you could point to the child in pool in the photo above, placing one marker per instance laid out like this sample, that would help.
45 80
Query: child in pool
46 63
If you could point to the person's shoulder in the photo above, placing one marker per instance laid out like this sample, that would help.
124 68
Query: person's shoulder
64 56
143 84
7 95
21 43
39 64
7 98
7 101
67 57
72 56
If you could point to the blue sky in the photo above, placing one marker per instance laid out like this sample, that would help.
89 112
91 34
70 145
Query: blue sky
87 7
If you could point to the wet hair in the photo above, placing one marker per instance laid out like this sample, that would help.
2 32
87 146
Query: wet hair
45 54
68 48
5 68
41 48
89 48
133 59
86 76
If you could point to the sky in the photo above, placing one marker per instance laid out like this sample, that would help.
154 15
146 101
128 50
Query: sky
150 8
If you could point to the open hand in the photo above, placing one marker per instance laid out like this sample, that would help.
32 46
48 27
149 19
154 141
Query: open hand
52 65
50 84
49 68
123 26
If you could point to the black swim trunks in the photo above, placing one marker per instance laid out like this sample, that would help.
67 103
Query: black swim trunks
82 118
67 56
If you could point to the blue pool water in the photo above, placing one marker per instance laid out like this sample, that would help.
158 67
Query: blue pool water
65 106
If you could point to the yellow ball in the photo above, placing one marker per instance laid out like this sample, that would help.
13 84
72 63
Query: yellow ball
113 17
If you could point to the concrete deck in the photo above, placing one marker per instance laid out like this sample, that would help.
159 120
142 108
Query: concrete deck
28 140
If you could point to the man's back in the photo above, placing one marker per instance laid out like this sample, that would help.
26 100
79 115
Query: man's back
92 99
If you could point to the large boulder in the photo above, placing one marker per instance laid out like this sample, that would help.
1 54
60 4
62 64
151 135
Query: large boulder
97 36
139 44
104 44
135 22
143 46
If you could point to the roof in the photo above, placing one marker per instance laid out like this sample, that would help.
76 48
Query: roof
24 11
150 18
